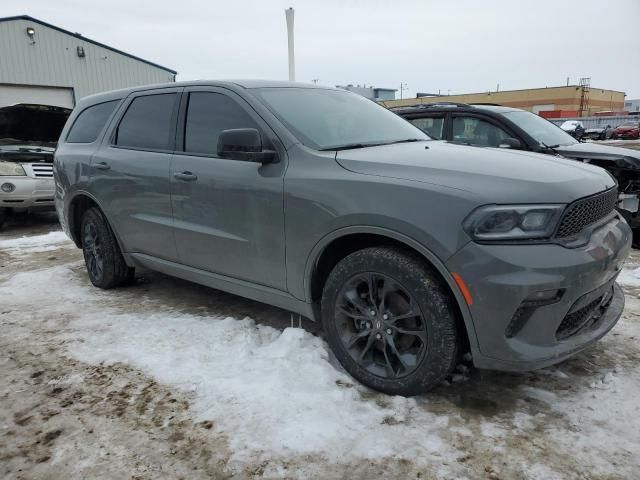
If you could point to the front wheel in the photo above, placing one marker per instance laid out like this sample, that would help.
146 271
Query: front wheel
390 321
105 265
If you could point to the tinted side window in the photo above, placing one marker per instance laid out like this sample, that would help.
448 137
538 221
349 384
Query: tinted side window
207 115
147 122
90 122
474 131
432 126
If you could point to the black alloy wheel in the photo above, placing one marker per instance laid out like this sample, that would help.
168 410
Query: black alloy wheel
380 325
390 320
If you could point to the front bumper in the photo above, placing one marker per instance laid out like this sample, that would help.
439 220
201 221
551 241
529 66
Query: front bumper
502 277
29 193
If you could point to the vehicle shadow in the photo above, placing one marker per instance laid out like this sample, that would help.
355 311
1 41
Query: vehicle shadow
20 224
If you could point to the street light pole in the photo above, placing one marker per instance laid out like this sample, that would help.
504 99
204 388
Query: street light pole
289 12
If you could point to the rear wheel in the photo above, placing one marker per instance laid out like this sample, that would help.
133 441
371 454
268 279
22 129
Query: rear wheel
105 265
389 321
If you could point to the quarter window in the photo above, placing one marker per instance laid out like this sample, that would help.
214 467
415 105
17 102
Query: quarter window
432 126
90 122
474 131
208 114
147 123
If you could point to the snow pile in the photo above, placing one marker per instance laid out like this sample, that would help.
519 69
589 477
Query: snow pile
34 244
274 393
629 277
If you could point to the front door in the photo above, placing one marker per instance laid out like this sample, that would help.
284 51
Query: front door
228 214
130 173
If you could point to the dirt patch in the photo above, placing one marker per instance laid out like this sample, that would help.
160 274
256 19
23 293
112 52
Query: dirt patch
61 418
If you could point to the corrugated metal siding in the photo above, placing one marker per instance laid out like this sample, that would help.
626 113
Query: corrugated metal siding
51 59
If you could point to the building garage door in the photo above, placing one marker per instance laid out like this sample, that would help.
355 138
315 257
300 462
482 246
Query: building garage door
57 96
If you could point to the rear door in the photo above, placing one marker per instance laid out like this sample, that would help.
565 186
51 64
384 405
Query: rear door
229 215
130 173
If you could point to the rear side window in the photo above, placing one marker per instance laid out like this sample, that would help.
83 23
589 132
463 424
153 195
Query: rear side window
90 122
208 114
432 126
147 123
474 131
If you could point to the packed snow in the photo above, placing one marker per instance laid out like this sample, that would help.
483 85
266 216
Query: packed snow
33 244
276 395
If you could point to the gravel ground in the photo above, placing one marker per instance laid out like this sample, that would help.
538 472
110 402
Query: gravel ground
143 382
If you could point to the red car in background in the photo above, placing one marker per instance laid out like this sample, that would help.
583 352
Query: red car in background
627 130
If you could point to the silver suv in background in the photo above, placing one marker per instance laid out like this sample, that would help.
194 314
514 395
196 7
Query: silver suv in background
28 137
316 200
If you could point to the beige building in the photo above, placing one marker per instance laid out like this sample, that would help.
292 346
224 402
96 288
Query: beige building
572 98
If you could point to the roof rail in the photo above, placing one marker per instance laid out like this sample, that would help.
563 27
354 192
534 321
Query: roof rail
487 104
430 105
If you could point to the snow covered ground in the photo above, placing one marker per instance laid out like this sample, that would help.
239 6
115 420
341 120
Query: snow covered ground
166 379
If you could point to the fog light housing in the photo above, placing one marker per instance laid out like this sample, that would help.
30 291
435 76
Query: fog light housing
8 187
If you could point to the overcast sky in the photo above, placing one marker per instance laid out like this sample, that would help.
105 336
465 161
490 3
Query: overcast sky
454 46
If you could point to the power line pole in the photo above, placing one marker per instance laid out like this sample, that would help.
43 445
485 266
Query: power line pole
403 86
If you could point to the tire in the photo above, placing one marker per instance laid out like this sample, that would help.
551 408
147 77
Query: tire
389 301
105 265
3 216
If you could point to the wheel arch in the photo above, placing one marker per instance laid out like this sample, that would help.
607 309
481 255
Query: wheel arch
80 203
340 243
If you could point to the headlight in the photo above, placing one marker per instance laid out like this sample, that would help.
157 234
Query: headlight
11 169
513 222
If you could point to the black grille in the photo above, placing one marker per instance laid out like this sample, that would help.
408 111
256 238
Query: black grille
586 211
585 317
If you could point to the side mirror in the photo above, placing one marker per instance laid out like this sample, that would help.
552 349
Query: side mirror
510 142
244 144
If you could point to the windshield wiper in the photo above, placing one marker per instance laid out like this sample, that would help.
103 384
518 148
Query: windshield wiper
351 146
551 147
406 140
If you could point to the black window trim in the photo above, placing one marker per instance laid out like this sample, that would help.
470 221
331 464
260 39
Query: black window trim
174 117
267 133
101 131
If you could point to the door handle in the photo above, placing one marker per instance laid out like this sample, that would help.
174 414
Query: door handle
185 176
102 166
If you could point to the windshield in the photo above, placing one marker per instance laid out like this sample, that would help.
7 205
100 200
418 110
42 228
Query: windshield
541 130
31 124
333 119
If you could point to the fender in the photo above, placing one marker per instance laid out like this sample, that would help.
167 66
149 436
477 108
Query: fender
319 248
70 220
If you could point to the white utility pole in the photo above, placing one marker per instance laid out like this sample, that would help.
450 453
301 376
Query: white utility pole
289 12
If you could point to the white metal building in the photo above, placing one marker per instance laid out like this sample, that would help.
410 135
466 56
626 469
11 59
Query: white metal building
44 64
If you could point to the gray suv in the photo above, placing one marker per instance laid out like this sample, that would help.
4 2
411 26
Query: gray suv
316 200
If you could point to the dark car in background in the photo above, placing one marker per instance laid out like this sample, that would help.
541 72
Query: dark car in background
497 126
602 132
28 136
575 128
627 130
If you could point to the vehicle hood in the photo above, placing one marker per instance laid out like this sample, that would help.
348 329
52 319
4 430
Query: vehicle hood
594 129
604 155
491 175
30 125
625 129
